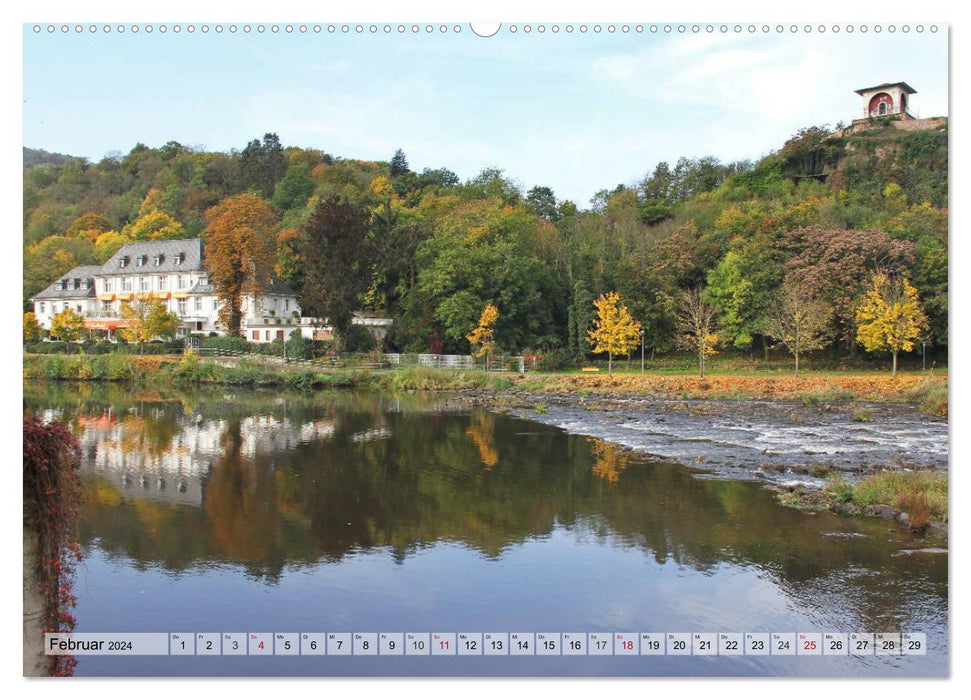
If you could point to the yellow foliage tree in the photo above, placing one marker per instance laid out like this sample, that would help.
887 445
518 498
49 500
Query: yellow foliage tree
614 330
149 320
31 328
483 337
889 316
67 326
154 225
109 243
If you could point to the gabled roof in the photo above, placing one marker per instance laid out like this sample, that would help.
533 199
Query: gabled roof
81 272
191 248
904 86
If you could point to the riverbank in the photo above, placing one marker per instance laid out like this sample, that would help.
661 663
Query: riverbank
927 391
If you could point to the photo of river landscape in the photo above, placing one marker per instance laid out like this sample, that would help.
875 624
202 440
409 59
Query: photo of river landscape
227 509
487 350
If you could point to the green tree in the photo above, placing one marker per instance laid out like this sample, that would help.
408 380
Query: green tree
399 164
337 256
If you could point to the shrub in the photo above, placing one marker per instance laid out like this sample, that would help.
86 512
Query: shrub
822 397
930 395
554 360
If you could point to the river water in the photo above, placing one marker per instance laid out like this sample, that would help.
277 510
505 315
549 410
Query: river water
245 511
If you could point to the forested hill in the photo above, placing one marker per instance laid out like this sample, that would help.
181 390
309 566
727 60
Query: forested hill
828 208
35 156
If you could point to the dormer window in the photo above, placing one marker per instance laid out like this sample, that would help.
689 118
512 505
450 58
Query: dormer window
141 260
179 258
59 285
123 261
158 259
77 283
84 284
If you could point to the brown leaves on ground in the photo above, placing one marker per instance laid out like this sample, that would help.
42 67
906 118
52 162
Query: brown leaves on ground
862 386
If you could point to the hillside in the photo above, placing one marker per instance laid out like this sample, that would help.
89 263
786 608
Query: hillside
828 208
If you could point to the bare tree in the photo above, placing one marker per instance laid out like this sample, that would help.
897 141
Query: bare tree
696 326
797 320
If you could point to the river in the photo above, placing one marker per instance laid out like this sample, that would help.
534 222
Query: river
230 510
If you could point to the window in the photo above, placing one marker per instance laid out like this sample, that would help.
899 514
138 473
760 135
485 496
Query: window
279 335
140 261
59 285
882 109
144 284
286 304
78 307
179 258
181 282
256 335
84 284
268 335
158 259
109 285
123 261
182 307
42 307
198 303
126 284
163 282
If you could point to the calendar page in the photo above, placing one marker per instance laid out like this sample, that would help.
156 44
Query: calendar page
541 349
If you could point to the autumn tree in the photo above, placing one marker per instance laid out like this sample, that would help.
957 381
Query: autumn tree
239 252
614 330
154 225
889 316
32 329
797 320
337 256
149 320
67 326
89 225
696 326
483 337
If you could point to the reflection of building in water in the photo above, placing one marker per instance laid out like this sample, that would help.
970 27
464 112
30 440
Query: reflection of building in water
371 435
142 461
173 470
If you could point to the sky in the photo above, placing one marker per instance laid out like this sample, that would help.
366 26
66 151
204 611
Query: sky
577 112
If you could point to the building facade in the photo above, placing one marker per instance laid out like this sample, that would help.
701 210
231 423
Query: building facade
887 98
175 273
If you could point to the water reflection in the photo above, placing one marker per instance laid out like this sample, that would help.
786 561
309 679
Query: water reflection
274 484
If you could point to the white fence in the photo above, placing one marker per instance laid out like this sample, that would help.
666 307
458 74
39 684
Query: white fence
498 363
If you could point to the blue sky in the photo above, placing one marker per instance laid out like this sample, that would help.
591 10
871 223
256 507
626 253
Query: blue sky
577 112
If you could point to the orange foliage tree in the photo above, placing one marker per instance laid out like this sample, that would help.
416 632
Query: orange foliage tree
240 252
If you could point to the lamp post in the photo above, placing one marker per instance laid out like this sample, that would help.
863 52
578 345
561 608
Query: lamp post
642 351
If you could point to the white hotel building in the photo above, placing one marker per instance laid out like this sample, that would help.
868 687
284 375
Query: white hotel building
172 271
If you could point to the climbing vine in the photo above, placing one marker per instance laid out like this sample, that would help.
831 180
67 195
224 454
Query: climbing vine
51 499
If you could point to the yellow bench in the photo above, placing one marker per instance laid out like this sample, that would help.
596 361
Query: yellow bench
589 369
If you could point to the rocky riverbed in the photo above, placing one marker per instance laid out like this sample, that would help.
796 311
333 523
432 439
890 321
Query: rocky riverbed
782 442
